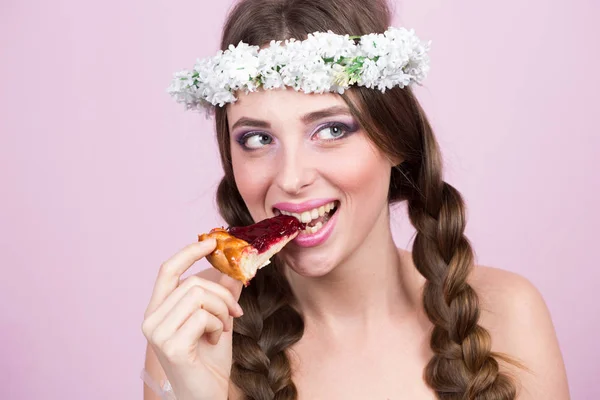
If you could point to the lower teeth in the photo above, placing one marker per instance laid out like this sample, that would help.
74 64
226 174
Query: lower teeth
318 225
313 229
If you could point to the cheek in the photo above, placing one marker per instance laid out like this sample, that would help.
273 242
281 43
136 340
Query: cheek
362 172
252 178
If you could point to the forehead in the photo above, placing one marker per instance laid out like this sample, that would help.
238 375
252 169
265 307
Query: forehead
280 104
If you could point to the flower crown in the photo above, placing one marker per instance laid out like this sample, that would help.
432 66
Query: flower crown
324 62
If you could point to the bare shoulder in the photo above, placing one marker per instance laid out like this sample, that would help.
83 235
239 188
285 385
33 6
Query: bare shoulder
516 315
509 300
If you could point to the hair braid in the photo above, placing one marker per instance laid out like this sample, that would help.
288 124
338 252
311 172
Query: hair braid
463 365
269 325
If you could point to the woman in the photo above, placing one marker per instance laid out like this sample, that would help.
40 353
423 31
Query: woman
341 313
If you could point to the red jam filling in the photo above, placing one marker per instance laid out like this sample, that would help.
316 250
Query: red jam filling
267 232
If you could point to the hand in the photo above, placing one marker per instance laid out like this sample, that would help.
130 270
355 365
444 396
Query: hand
189 325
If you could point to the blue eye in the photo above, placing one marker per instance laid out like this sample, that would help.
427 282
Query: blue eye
255 141
332 132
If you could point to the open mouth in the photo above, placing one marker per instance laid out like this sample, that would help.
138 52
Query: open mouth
314 219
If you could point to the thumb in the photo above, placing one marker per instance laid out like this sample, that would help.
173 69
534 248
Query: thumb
233 285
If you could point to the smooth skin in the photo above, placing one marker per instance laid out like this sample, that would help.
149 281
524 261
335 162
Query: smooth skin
366 333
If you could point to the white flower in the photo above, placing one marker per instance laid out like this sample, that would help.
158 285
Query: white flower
239 65
370 74
316 78
222 97
329 45
269 59
374 45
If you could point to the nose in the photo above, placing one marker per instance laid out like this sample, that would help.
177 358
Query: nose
295 171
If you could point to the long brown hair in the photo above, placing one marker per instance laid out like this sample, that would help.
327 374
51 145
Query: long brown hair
463 366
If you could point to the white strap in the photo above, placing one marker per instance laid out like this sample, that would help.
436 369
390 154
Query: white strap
165 392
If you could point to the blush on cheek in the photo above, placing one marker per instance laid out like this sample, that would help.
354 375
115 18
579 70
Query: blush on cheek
362 173
252 181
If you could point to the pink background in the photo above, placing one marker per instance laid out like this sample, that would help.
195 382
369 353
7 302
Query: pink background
104 176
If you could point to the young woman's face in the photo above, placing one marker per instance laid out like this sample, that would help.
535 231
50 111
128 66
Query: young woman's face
306 155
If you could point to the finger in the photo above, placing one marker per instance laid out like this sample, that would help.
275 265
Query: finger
187 306
201 323
232 285
218 289
193 281
171 270
185 340
197 298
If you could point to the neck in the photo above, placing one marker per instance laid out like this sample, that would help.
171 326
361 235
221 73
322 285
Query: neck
371 284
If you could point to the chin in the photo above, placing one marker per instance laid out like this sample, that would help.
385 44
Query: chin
307 265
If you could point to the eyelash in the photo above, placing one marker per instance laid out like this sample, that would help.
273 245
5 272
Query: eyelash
345 128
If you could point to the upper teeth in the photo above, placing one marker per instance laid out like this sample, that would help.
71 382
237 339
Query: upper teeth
309 215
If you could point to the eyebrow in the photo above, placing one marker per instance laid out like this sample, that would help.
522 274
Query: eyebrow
306 119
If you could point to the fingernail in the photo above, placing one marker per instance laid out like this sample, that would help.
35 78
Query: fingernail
239 309
215 341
